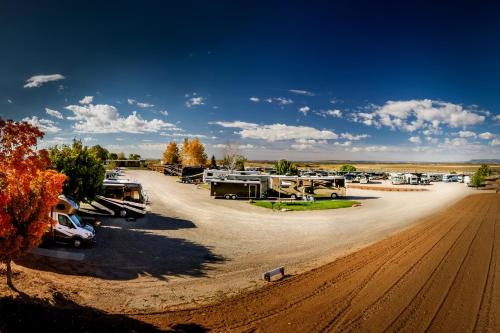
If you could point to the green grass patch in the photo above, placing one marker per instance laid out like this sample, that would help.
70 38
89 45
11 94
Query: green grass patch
306 205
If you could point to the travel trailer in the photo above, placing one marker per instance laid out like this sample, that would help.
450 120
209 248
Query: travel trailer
450 178
237 189
124 197
397 179
69 227
191 174
424 179
410 178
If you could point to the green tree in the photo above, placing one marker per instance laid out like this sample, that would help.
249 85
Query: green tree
484 170
213 163
84 170
100 152
134 157
476 180
347 168
113 156
284 167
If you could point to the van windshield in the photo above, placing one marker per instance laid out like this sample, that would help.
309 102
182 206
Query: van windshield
76 220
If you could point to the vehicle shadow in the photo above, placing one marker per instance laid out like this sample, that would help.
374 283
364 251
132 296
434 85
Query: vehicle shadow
125 250
360 197
29 314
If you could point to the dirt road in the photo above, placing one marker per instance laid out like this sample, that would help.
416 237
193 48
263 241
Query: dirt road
440 275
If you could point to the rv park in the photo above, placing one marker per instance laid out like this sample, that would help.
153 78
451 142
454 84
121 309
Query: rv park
188 247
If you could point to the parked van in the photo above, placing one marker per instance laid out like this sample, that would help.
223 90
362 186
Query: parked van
69 227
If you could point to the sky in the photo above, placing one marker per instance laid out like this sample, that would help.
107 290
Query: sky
301 80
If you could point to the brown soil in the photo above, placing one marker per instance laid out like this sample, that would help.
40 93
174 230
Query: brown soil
441 275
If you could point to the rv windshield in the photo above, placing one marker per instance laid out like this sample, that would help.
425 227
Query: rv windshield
76 220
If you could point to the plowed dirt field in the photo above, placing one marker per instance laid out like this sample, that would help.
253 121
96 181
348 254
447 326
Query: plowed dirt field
441 275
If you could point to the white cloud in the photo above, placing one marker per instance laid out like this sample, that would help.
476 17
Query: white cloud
86 100
415 139
330 113
344 144
495 142
301 92
139 104
432 140
103 118
415 114
486 136
372 149
278 132
466 134
54 113
182 135
164 113
119 139
304 110
242 146
279 100
45 125
10 101
497 117
354 137
456 142
195 101
255 99
39 80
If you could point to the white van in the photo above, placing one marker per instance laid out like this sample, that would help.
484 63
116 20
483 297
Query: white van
69 227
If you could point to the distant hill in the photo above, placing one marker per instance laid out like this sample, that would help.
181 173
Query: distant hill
485 161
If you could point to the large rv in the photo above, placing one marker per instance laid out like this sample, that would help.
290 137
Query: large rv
124 197
237 189
397 179
69 227
210 175
410 178
192 174
450 178
299 187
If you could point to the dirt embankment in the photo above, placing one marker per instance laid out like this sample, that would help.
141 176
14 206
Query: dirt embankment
441 275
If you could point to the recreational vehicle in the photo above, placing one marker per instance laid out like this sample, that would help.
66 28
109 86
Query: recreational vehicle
192 174
450 178
124 197
69 227
237 189
299 187
397 179
210 175
410 178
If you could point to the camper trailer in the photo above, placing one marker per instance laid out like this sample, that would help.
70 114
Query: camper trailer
397 179
191 175
236 189
69 227
124 197
410 178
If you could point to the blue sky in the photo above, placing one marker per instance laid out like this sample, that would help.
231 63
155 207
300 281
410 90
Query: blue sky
273 79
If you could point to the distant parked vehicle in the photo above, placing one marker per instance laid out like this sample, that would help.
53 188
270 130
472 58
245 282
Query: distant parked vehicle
450 178
397 179
192 175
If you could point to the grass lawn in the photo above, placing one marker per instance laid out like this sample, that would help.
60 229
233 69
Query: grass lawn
304 205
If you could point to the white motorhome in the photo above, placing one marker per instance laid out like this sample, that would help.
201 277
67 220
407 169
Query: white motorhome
397 179
410 178
69 227
124 197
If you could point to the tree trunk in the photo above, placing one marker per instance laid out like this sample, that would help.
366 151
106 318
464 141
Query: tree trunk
9 275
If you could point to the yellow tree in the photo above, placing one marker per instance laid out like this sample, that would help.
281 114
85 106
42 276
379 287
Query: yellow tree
193 153
171 154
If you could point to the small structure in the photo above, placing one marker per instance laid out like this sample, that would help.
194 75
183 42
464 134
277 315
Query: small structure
267 276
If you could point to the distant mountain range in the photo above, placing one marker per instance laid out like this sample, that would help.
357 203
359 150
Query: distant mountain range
485 161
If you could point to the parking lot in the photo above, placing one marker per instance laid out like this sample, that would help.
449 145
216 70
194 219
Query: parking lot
150 264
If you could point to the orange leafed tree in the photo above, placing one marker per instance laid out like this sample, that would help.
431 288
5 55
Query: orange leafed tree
193 153
171 154
28 191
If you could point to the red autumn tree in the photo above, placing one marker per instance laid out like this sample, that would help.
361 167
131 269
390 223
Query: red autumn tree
28 191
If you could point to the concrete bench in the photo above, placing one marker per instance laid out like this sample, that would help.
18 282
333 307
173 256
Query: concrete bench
269 275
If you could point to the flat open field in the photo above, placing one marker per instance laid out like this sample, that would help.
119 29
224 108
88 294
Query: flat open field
388 167
442 275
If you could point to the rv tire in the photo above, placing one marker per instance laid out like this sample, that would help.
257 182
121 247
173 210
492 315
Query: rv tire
123 213
77 242
234 197
293 196
227 196
334 195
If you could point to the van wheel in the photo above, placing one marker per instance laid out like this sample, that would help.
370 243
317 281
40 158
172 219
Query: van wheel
234 197
334 196
227 196
77 242
293 196
123 213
